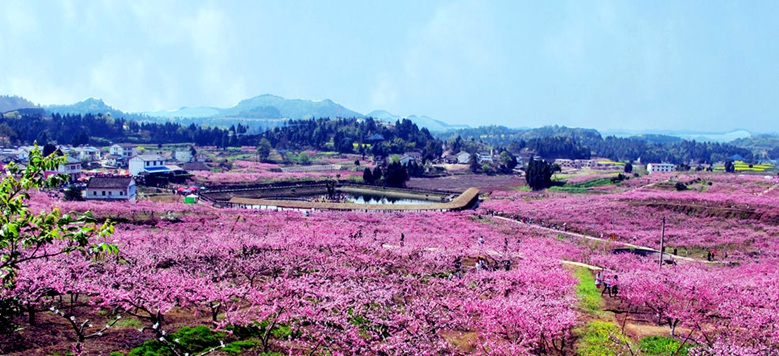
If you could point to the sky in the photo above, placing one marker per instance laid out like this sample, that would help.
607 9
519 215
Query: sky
611 65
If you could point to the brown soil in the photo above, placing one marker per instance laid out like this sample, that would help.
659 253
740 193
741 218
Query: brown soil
53 334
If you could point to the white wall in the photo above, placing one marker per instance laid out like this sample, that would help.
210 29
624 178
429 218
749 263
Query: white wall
137 165
115 194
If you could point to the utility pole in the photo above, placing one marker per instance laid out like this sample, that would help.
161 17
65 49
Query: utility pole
662 242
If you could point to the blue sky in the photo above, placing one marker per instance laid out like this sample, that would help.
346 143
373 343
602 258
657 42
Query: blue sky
634 65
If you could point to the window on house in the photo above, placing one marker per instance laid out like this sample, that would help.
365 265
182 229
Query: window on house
94 193
147 164
109 192
104 193
121 193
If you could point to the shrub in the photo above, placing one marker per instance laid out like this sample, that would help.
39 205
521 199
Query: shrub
197 339
659 345
129 322
601 338
238 347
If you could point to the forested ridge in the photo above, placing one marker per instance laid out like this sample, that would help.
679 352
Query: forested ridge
351 135
99 130
552 142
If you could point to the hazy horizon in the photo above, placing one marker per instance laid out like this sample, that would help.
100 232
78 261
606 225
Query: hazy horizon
597 64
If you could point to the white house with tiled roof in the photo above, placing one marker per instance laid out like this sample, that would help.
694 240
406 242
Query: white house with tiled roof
111 188
71 167
123 150
148 164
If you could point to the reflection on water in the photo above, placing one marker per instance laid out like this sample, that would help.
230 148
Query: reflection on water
380 199
342 197
352 198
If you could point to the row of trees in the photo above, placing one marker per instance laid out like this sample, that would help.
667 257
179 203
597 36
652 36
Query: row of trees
101 129
394 175
29 235
327 279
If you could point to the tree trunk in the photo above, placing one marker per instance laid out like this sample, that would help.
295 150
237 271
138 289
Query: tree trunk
672 323
31 314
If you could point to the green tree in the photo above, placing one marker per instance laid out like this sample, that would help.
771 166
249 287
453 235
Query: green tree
263 149
396 175
474 163
27 235
367 176
82 138
73 194
304 159
730 167
628 167
49 148
539 174
507 161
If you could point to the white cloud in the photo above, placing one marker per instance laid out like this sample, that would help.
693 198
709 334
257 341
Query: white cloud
68 11
18 17
210 36
37 90
384 94
457 39
444 61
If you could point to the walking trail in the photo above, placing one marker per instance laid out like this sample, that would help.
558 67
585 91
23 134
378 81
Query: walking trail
593 238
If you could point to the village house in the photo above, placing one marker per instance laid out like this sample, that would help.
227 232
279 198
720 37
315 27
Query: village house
660 167
183 156
71 168
484 157
22 153
195 166
463 157
114 161
111 188
409 157
123 150
449 157
88 154
148 164
406 160
595 164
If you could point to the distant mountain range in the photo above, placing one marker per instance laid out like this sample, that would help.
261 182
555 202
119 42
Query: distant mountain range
264 107
88 106
11 103
264 110
421 121
271 107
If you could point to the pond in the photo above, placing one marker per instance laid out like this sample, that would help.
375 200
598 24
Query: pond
380 199
355 199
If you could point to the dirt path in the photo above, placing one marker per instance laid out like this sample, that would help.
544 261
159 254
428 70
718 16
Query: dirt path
593 238
767 190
